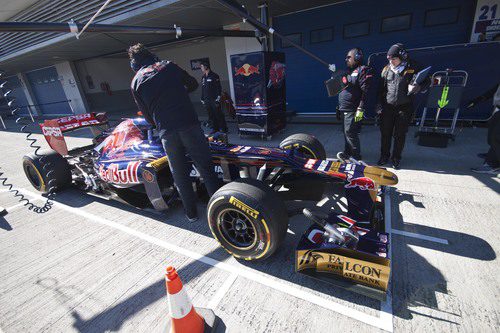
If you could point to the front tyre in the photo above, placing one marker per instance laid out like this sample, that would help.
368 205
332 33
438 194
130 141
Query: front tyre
248 219
306 144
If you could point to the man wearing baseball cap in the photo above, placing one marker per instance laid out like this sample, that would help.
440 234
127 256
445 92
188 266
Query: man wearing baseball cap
395 105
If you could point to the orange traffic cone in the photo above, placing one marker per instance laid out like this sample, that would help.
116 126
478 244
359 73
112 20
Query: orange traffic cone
185 318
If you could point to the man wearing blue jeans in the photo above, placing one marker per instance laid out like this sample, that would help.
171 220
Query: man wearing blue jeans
160 89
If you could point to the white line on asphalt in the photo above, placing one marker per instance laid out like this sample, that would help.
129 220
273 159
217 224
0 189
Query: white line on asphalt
11 208
264 279
419 236
386 317
219 295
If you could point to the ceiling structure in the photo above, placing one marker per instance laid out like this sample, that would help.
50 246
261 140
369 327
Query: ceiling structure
196 14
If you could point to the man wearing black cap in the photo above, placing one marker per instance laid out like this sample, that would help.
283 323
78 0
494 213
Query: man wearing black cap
396 103
160 89
211 91
351 102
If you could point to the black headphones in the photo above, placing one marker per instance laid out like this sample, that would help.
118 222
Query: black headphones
403 54
358 56
136 66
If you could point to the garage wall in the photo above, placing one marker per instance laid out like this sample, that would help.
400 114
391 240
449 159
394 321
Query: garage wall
346 18
116 72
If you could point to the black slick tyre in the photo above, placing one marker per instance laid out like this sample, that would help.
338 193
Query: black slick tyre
248 219
306 144
47 171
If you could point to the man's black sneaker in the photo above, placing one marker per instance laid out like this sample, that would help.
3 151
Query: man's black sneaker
342 156
396 164
192 218
487 169
382 161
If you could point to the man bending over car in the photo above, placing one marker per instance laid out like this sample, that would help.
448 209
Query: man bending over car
160 89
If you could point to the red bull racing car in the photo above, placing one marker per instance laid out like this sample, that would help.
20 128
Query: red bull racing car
248 215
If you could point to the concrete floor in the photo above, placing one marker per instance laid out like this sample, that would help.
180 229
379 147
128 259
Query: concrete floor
91 265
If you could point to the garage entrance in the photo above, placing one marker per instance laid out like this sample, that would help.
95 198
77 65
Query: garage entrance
48 92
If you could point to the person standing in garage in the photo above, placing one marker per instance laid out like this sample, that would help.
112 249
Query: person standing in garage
395 106
211 91
160 89
352 100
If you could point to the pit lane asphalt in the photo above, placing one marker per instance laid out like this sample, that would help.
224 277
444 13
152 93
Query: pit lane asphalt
94 265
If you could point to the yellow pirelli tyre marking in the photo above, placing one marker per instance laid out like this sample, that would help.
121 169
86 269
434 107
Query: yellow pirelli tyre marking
42 183
309 150
268 243
209 211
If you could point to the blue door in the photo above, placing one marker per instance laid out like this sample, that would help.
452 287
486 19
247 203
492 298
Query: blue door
18 93
48 92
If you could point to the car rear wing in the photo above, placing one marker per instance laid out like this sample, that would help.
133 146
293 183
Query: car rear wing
53 129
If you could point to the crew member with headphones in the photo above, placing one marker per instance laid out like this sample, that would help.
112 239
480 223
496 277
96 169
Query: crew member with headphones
352 100
395 106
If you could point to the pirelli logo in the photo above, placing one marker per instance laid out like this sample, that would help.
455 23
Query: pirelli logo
245 208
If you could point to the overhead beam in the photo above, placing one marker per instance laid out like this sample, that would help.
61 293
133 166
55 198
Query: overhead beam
73 27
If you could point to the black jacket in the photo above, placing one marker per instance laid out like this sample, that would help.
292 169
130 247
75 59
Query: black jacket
161 92
394 87
210 87
357 83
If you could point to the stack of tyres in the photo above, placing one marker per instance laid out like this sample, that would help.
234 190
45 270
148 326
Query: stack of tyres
260 92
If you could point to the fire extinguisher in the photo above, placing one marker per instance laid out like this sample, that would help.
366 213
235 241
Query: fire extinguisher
106 88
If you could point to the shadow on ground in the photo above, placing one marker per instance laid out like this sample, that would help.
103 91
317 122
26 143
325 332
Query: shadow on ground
416 282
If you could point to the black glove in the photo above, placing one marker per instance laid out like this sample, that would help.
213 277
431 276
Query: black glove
337 114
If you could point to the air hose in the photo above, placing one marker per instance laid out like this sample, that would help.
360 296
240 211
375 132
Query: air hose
25 123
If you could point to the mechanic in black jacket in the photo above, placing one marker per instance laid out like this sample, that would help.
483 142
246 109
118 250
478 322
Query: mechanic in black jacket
352 100
160 89
211 91
491 163
395 106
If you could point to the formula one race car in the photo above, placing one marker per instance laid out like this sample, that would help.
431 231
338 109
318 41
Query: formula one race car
248 215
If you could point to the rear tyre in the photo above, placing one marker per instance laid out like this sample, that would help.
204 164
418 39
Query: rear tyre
47 171
248 219
306 144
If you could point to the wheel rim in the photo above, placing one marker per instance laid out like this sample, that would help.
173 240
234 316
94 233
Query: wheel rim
33 176
236 228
